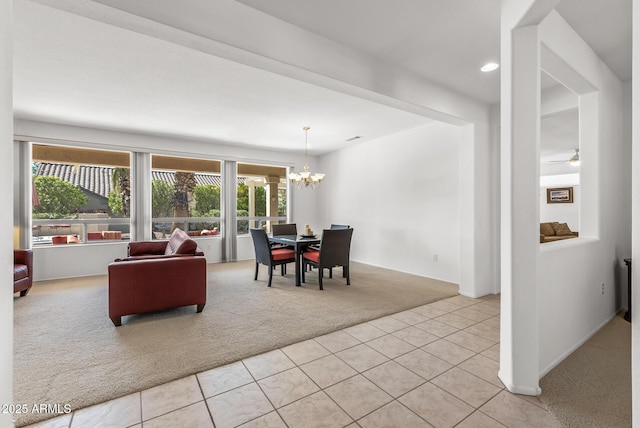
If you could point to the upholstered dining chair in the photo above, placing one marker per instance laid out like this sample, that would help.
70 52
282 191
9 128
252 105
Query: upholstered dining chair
335 247
270 257
283 229
317 247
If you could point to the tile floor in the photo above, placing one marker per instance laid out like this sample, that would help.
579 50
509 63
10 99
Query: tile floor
432 366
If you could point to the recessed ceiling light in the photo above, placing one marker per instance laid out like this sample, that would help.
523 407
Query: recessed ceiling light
490 66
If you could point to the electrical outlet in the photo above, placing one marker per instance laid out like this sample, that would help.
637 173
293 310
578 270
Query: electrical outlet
435 257
603 288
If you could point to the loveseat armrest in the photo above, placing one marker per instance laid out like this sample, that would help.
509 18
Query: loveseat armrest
146 247
23 257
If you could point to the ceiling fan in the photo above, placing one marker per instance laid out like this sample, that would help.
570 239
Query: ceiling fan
573 160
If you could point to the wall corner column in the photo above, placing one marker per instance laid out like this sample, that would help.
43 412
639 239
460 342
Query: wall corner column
635 216
520 119
477 275
6 214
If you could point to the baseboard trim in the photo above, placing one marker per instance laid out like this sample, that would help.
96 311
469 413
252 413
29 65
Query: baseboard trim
571 350
477 296
516 389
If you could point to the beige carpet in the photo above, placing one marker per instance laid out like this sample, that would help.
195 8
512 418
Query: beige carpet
592 387
67 351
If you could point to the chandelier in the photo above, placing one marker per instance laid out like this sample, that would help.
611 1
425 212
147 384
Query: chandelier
305 178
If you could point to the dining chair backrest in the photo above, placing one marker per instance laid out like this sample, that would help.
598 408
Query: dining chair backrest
340 226
284 229
261 246
335 247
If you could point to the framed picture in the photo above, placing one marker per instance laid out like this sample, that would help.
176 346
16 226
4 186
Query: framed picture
560 195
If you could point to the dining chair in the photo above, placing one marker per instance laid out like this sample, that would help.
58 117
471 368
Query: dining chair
317 247
333 226
335 247
270 257
283 229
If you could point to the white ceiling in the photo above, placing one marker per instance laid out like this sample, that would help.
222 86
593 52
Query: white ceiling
606 27
81 71
73 70
444 41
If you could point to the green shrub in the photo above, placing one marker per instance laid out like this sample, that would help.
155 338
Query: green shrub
161 199
58 197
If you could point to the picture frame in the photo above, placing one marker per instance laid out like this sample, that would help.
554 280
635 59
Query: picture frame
560 195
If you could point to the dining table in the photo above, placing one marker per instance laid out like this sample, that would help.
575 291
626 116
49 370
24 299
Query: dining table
299 243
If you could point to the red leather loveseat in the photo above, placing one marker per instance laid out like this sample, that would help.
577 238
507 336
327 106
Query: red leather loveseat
158 275
22 271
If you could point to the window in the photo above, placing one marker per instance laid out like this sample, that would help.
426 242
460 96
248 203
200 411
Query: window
262 196
185 194
79 195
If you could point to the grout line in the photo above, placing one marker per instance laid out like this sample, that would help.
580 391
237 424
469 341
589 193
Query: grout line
388 359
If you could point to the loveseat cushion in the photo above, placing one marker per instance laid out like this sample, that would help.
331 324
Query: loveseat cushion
20 271
146 248
180 243
546 229
562 229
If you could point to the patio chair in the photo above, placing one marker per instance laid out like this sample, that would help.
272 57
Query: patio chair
270 257
335 247
283 229
317 247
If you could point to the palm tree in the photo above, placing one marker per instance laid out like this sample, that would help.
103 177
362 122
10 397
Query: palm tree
121 183
183 187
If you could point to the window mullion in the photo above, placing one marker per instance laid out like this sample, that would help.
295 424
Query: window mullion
229 215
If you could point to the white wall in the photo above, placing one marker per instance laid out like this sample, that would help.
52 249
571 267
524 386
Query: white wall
93 259
625 238
635 217
562 213
6 215
400 194
551 294
571 274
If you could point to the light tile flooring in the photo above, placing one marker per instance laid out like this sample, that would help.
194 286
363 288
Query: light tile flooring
432 366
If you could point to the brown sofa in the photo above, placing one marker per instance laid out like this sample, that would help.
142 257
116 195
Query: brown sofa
22 271
555 231
158 275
